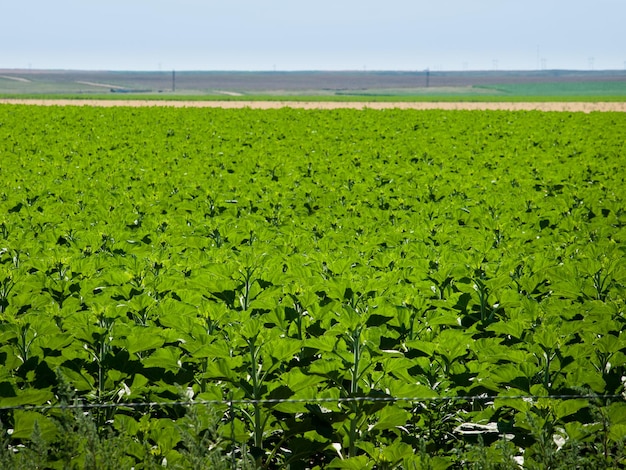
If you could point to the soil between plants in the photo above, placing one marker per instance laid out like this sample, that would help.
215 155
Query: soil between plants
586 107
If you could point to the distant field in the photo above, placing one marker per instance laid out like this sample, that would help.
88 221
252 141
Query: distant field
605 88
319 85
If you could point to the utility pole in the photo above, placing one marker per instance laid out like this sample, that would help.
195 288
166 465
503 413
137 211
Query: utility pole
427 78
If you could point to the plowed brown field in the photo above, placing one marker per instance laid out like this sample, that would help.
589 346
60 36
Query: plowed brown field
527 106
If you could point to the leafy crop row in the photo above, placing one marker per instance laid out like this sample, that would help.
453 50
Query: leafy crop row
437 266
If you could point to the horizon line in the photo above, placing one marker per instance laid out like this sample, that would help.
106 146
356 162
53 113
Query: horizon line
363 71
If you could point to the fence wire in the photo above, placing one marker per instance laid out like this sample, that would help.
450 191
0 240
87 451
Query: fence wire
276 401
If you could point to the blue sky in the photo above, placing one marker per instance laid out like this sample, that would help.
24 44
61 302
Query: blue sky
320 35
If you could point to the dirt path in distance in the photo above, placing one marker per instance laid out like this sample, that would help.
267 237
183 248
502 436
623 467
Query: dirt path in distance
586 107
16 79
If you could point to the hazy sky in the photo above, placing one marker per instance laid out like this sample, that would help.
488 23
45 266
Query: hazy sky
313 35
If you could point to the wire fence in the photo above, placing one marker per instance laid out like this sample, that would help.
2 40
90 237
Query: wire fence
276 401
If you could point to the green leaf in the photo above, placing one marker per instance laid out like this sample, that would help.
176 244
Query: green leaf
322 344
564 408
576 431
224 369
81 380
500 375
396 452
362 462
433 463
518 404
284 349
617 432
26 421
141 302
583 373
165 434
402 389
29 396
142 339
391 416
297 381
426 347
609 344
617 413
515 328
167 358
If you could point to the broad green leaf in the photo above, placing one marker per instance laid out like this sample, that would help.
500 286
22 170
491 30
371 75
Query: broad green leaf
361 462
142 339
390 417
324 344
80 379
564 408
298 381
223 369
617 413
27 423
584 373
284 349
426 347
167 358
617 432
410 391
396 452
500 376
29 396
